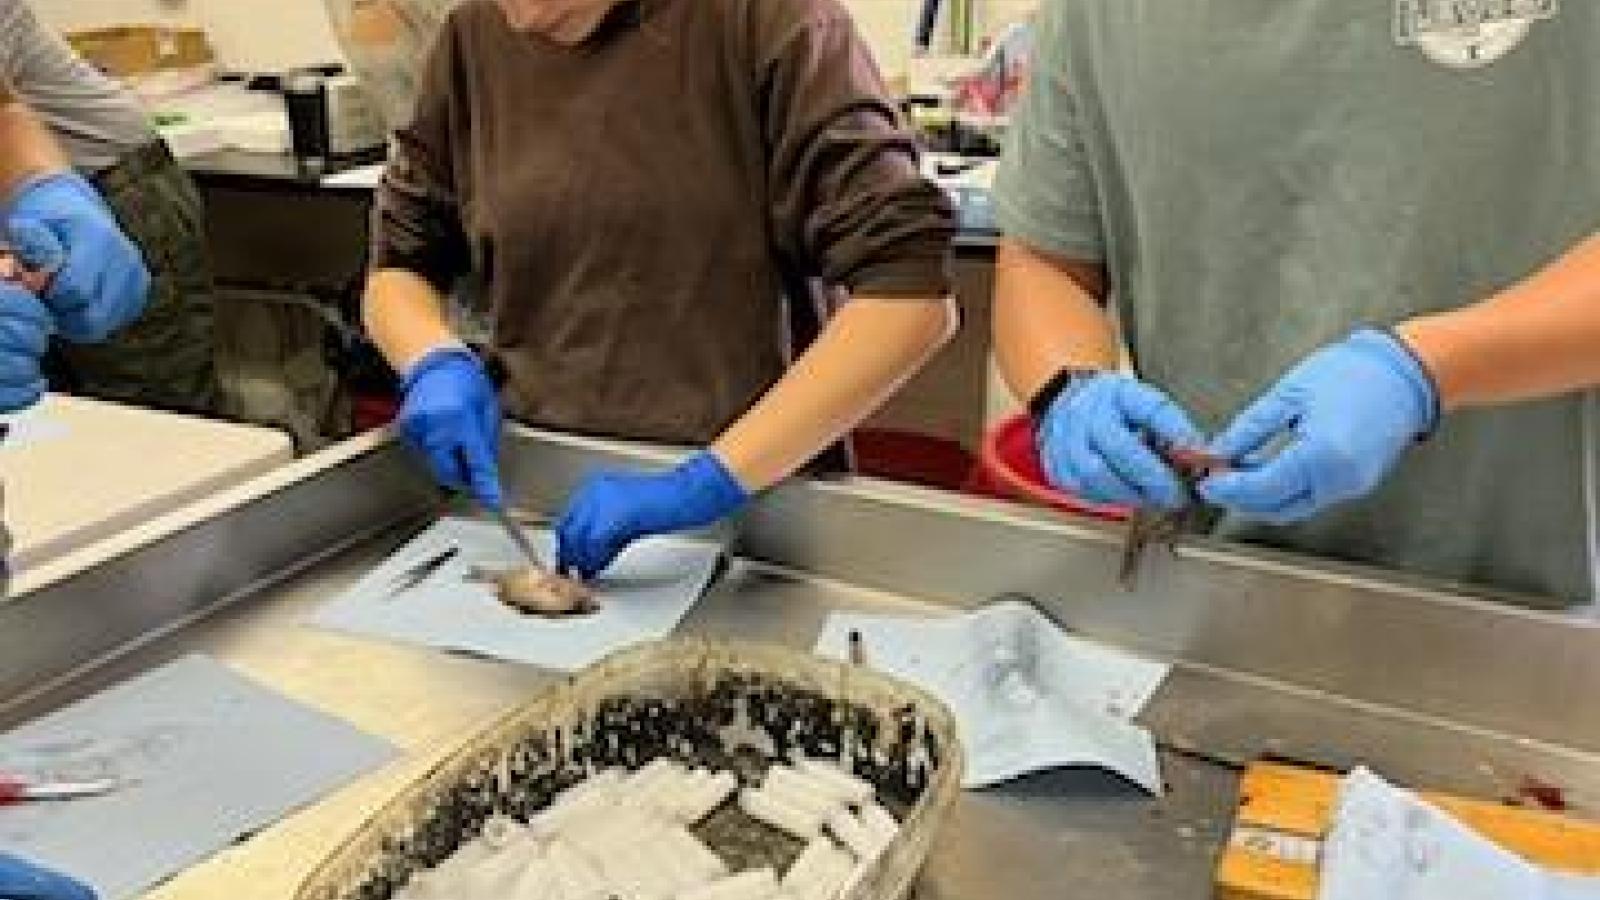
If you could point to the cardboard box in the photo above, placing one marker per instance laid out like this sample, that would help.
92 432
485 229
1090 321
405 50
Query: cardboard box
130 50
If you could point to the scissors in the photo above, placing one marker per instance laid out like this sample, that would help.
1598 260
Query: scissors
1159 526
422 571
19 790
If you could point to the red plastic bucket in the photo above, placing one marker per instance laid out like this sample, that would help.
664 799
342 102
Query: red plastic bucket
912 457
1009 467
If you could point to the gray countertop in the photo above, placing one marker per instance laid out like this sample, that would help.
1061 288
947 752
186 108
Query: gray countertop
1275 655
1078 831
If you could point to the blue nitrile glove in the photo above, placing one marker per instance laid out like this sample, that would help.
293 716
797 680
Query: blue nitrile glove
102 284
1094 441
1348 411
24 338
21 880
611 510
451 415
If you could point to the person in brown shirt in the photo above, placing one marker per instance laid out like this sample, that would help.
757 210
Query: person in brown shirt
642 187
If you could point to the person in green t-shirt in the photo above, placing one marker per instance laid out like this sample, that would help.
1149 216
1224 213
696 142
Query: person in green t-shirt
1355 242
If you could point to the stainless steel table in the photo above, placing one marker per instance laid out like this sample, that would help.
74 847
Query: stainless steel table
1273 655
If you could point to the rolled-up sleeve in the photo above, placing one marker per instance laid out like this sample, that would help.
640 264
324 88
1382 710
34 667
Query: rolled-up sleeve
1045 192
848 199
416 219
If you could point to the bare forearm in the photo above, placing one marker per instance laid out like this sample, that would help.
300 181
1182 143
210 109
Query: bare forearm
404 316
26 147
867 351
1048 314
1538 338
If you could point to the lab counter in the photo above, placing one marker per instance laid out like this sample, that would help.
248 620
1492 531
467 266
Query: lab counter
78 471
1272 655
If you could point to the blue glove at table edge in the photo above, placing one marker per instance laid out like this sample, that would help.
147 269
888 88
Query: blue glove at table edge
24 880
610 509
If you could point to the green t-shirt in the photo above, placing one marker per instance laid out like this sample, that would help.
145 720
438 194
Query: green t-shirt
1259 178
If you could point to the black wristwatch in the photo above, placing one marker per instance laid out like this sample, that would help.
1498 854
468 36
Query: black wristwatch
1069 376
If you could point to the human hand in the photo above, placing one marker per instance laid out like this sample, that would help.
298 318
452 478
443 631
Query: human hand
451 415
1095 441
1349 410
611 510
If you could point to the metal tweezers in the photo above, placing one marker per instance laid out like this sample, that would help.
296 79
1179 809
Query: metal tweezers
422 571
14 789
1164 527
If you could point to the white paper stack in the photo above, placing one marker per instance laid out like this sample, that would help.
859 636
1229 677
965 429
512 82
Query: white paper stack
1026 695
1390 844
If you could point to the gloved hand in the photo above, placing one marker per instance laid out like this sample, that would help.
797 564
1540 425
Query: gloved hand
451 415
611 510
24 338
1350 410
21 880
102 284
1092 441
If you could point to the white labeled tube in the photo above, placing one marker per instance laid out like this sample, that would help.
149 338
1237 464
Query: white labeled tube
604 781
466 857
880 822
662 796
844 785
710 793
577 879
824 874
686 798
764 807
661 767
632 877
814 860
428 884
862 842
496 875
670 866
751 884
782 784
700 859
537 882
600 837
565 813
501 832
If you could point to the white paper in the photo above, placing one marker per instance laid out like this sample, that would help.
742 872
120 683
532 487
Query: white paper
1390 844
30 426
642 597
1026 695
204 757
359 177
300 36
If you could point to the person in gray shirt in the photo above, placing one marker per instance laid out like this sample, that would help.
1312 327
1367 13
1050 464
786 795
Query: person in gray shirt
167 358
1356 241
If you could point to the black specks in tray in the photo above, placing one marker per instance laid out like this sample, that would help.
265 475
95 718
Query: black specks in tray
744 723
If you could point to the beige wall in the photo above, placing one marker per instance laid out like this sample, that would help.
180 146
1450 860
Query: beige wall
76 14
888 25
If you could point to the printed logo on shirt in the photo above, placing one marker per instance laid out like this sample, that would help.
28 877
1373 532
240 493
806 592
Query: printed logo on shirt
1468 34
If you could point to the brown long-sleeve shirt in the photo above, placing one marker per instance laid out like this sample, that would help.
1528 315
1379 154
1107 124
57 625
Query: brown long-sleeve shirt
639 206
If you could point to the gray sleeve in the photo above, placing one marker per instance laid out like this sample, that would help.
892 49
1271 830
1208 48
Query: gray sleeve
29 49
1045 194
18 28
